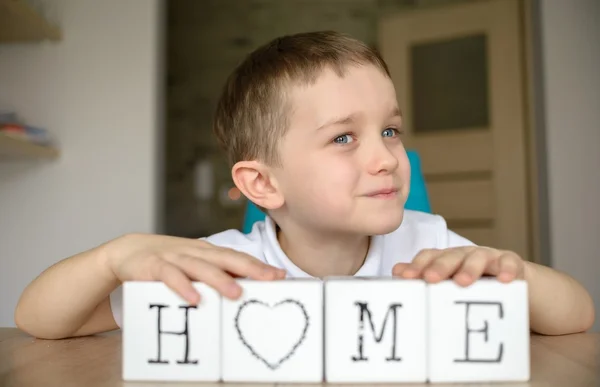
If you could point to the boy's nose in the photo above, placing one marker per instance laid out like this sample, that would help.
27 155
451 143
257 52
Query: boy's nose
383 161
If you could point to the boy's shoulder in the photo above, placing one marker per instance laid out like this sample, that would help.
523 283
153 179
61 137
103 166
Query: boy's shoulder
252 243
424 230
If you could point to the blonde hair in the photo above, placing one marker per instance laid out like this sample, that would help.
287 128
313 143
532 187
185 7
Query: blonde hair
251 115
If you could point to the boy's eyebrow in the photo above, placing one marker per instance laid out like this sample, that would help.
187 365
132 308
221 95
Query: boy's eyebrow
339 121
396 112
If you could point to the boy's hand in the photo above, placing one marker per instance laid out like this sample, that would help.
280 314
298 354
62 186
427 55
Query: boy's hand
179 261
463 264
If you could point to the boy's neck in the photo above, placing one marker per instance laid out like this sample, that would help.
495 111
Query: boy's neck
321 255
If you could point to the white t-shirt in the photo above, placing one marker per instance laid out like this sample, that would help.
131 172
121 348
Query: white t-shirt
418 231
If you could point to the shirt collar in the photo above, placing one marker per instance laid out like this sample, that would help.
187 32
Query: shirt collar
275 256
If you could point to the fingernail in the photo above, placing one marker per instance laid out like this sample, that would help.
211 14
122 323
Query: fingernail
193 297
233 289
466 276
267 271
270 272
463 279
505 277
432 276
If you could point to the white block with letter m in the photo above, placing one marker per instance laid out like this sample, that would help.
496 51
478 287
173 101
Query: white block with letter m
167 339
478 333
375 330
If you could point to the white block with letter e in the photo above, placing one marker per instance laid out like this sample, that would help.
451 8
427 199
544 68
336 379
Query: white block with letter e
167 339
274 332
478 333
375 330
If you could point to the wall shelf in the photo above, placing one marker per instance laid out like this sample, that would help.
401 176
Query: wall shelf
19 22
22 23
15 148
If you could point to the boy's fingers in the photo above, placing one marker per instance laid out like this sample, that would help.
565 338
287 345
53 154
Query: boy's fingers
508 267
420 262
211 275
177 281
472 268
240 264
443 266
399 268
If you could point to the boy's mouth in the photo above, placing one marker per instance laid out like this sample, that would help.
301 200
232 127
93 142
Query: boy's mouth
385 193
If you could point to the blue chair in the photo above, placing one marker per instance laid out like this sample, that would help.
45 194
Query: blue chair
417 200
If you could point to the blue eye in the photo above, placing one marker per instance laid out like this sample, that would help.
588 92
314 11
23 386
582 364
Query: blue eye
389 132
343 139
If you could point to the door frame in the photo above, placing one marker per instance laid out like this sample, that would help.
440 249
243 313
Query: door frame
535 113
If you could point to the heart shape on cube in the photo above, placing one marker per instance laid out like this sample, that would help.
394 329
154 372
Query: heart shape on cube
253 323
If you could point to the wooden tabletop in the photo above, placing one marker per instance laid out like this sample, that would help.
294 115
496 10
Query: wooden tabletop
571 360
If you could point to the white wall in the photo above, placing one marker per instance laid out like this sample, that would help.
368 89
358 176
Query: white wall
571 61
97 90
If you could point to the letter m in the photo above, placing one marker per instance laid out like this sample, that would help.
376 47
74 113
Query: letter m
365 313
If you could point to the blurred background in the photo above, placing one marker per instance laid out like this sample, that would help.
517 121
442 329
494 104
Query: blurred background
106 109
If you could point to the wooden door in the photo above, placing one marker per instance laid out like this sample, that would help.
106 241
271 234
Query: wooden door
458 74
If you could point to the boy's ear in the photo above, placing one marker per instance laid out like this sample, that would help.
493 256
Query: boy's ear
255 181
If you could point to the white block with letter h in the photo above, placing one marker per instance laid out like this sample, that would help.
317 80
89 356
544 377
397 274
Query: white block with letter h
167 339
376 330
478 333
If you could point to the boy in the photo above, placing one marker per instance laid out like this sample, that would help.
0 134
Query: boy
311 126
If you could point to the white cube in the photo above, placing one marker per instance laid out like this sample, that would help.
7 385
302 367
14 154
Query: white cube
479 333
167 339
274 332
375 330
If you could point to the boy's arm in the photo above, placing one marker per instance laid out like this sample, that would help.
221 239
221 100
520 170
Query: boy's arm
558 303
70 298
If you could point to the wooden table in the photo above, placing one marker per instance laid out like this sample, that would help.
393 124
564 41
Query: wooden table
571 360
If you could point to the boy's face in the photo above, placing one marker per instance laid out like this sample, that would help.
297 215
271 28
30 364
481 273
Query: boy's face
343 165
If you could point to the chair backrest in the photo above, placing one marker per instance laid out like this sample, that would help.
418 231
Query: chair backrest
418 199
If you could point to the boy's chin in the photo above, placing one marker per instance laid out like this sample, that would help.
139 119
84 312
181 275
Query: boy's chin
381 225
